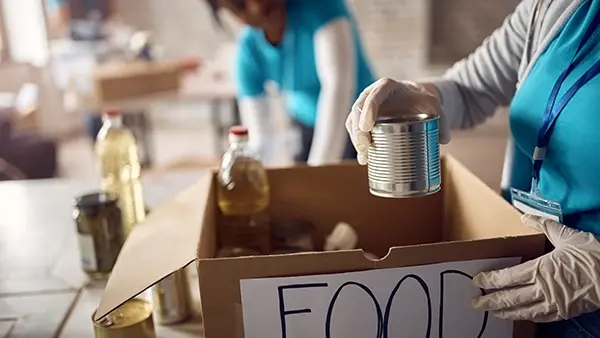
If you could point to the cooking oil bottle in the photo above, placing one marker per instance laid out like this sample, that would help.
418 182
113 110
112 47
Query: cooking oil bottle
243 196
119 162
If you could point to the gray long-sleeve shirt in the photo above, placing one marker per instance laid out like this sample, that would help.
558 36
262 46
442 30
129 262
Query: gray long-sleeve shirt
476 86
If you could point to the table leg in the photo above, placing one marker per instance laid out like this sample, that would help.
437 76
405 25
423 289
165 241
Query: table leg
149 140
237 119
139 123
217 127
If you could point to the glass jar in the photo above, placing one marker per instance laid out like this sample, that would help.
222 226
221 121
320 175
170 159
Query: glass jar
100 233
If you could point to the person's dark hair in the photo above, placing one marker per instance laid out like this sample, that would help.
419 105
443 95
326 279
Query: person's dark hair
214 6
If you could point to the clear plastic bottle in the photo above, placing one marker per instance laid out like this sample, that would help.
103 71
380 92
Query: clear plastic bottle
119 163
243 196
120 168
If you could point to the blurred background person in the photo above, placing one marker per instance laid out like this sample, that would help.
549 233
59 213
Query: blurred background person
83 19
312 50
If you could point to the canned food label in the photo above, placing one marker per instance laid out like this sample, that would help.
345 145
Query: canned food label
88 253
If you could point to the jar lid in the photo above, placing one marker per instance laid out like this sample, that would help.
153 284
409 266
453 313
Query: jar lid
95 200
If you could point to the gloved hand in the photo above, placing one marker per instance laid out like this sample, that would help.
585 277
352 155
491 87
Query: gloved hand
559 285
387 97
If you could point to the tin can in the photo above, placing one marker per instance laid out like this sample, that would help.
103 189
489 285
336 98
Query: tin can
404 156
133 319
171 298
100 233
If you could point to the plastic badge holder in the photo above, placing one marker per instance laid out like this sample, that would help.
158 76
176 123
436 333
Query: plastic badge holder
532 203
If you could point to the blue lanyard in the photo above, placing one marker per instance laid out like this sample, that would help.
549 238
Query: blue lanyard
553 111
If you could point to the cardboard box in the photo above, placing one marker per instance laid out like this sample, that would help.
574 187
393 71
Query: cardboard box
465 221
130 80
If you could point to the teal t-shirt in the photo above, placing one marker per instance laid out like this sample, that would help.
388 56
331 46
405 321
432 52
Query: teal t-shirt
291 64
571 171
54 4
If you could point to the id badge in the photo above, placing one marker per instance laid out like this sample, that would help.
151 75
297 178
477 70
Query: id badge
532 203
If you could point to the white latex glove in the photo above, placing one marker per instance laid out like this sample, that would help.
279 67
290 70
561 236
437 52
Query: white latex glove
559 285
387 97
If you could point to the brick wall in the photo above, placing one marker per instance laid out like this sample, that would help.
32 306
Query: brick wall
396 33
459 26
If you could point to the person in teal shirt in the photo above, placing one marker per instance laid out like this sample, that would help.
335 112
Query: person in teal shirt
569 174
311 50
546 49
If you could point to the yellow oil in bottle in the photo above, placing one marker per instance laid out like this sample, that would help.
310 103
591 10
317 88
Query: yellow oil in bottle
247 191
119 163
243 196
120 168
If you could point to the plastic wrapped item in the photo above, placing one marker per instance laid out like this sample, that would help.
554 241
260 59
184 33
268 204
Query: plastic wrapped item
371 256
343 237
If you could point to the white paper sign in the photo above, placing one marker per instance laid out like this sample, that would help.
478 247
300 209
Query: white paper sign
430 301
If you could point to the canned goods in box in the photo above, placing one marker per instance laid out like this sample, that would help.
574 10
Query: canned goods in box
172 300
131 320
404 156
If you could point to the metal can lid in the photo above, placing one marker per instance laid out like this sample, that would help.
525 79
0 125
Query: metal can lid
406 118
95 200
132 312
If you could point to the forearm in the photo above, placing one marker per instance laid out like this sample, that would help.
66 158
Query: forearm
330 136
335 61
255 115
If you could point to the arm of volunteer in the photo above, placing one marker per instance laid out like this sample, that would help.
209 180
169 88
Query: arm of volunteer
335 61
255 115
474 87
250 80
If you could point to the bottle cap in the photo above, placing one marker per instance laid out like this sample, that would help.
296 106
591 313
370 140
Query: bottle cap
112 112
238 130
343 237
238 134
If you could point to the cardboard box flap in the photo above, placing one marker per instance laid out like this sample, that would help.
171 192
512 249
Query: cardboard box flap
466 216
154 250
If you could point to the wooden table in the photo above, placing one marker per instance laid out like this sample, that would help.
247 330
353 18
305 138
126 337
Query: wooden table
43 291
212 85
